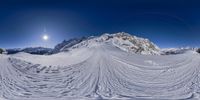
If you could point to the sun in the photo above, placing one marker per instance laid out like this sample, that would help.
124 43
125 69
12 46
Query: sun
45 37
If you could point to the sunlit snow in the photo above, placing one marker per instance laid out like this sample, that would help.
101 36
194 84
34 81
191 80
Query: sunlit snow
102 71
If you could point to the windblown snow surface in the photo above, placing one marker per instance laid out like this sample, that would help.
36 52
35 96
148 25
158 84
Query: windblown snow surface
99 72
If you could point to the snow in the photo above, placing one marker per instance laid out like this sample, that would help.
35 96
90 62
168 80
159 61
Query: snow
100 71
172 51
122 40
31 50
67 44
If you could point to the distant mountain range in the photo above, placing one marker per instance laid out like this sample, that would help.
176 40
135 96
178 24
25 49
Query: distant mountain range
31 50
121 40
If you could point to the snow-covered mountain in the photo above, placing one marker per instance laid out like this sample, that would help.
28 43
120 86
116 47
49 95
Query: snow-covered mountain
122 40
67 44
31 50
173 51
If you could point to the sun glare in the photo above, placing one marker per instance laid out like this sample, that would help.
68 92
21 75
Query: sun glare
45 37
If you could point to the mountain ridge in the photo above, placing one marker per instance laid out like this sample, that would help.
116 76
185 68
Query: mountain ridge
121 40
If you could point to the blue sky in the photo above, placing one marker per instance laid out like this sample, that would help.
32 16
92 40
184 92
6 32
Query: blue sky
169 23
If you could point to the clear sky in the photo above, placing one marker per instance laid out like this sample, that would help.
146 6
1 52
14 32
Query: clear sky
168 23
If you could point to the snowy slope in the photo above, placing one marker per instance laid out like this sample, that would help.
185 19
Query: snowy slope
100 71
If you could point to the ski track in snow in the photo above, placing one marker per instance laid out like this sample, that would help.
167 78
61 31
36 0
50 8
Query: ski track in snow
104 72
